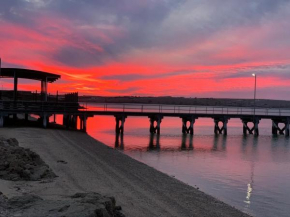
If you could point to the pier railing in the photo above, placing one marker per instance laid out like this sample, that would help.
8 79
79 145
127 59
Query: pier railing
32 106
138 108
185 109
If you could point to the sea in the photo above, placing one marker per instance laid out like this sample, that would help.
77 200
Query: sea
251 173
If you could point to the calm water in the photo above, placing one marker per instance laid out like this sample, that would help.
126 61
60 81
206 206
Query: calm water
250 173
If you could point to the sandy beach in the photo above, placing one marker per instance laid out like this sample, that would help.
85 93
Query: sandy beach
83 164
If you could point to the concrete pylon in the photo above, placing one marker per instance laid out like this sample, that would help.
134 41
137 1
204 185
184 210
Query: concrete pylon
224 128
155 129
255 129
120 123
1 121
44 120
281 131
190 129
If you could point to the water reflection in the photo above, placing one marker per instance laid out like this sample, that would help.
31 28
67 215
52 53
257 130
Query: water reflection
248 172
219 143
250 185
250 153
184 139
119 141
154 142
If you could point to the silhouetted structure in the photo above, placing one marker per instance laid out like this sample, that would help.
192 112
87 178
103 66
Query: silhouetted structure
68 106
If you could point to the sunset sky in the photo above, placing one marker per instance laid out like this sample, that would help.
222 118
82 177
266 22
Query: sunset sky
192 48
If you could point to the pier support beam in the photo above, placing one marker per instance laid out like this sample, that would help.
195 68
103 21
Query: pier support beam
44 90
64 120
83 123
287 127
1 121
26 117
191 120
155 129
71 121
282 131
255 129
224 128
74 121
44 120
120 122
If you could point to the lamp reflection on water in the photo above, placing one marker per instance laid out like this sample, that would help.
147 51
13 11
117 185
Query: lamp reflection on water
250 186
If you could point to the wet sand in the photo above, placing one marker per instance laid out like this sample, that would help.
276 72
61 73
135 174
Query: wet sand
86 165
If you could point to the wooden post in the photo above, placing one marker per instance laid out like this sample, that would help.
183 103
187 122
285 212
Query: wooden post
44 120
85 124
256 127
274 128
245 127
287 127
225 127
158 125
216 126
1 121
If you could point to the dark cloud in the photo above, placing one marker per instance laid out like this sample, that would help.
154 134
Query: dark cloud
74 57
279 71
125 91
143 24
136 76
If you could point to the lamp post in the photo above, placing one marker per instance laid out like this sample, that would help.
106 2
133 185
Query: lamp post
255 93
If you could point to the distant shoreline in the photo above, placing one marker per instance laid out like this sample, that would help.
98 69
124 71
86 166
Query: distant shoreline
260 103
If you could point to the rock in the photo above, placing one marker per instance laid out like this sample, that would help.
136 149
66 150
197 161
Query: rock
17 163
23 201
12 142
65 208
62 161
79 205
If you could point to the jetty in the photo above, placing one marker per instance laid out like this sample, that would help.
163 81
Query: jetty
44 105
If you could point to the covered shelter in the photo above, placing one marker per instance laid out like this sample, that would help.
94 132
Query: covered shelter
43 77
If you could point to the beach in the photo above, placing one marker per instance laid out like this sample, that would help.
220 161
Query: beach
83 164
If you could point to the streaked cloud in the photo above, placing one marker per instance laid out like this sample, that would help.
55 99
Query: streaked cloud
153 47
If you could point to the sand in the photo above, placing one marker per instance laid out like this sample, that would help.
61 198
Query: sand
83 164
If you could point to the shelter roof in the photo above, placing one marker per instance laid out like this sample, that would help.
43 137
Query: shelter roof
28 74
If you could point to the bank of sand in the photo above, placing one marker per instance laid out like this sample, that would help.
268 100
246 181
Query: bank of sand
86 165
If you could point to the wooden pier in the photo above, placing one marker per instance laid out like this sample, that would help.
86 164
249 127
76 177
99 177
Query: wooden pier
44 105
73 113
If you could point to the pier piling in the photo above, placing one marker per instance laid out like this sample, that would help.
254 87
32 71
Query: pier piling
155 129
1 121
190 129
255 129
44 120
224 128
120 122
281 131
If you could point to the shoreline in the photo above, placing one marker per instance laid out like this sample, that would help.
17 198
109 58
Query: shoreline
92 166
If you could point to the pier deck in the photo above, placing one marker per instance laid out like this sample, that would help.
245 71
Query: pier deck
155 112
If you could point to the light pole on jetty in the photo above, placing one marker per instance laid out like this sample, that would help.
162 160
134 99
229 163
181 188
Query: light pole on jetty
255 93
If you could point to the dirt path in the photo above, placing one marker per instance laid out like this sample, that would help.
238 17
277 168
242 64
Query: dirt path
84 165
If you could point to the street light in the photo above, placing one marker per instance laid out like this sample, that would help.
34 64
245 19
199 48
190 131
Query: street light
255 93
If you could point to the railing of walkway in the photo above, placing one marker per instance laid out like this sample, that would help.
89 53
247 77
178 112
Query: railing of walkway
139 108
185 109
38 106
